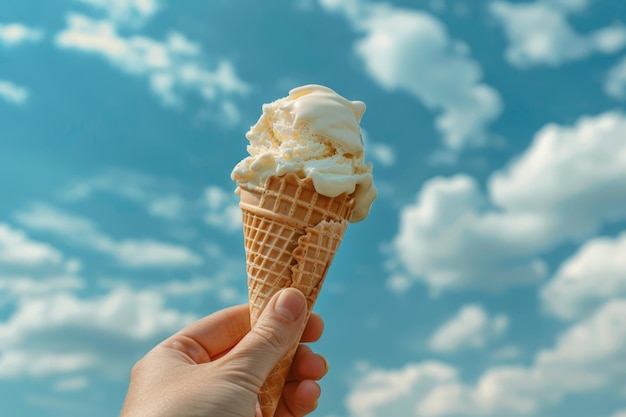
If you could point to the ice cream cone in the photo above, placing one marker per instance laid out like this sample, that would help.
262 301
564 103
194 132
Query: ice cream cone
291 234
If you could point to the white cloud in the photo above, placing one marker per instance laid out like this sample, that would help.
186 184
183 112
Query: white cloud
563 188
224 283
379 392
12 92
570 179
569 5
621 413
411 51
162 198
539 33
158 196
615 83
149 252
18 286
135 253
506 353
583 359
449 240
122 12
17 248
167 207
49 219
222 209
14 34
594 274
29 267
380 152
62 333
171 67
472 327
71 384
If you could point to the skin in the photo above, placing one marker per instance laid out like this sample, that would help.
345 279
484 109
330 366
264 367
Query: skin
216 366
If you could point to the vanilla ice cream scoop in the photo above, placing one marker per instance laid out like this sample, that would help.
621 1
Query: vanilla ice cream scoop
314 132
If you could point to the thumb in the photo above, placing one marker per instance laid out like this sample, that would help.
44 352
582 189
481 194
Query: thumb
279 327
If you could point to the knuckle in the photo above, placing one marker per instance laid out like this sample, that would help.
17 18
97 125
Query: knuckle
273 336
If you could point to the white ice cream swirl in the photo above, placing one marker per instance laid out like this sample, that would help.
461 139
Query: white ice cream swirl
315 133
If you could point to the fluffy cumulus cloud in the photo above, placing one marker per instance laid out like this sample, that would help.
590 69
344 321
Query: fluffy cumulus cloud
411 51
471 327
172 67
539 33
570 180
594 274
583 359
13 34
379 392
64 334
448 239
615 83
563 188
13 93
136 253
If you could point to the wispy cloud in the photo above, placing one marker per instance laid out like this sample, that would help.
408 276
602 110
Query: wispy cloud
13 93
126 12
14 34
158 196
222 284
136 253
30 267
172 67
21 286
71 384
457 236
615 82
539 33
411 51
471 327
17 248
381 152
161 198
222 209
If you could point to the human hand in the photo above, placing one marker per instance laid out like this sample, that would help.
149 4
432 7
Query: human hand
216 366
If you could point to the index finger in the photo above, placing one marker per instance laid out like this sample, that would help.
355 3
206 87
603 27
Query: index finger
208 337
212 336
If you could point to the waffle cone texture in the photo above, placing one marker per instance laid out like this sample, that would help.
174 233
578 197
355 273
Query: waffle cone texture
291 234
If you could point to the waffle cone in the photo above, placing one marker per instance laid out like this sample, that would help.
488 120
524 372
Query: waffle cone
291 234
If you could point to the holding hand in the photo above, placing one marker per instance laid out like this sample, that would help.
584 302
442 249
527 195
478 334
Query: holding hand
216 366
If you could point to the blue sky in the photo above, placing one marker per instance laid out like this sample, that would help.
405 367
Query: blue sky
488 280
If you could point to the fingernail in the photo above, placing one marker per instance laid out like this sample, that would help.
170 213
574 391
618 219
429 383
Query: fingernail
326 365
290 304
